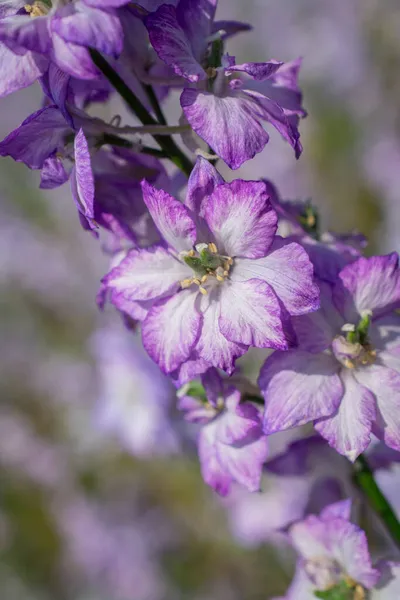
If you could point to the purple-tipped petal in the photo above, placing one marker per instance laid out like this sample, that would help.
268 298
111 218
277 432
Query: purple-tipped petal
368 284
171 43
298 387
250 314
241 218
212 472
288 270
146 274
244 462
258 71
171 218
341 509
171 329
230 125
349 429
202 181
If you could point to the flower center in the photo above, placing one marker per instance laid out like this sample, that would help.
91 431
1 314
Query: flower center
40 8
354 348
331 581
207 265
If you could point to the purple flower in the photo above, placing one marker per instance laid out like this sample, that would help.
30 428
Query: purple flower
223 110
231 444
334 560
345 375
222 282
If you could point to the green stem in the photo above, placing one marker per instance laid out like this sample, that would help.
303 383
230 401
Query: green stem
116 140
166 143
364 479
154 103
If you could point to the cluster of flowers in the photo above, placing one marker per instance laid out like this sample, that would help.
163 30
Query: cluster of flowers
209 277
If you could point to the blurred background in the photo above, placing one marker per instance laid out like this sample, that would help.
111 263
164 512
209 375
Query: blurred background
100 491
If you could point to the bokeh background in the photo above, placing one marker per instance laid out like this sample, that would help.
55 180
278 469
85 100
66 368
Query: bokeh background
100 492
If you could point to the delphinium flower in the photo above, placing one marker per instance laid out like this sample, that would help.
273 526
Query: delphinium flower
220 282
220 107
329 252
231 444
345 375
334 561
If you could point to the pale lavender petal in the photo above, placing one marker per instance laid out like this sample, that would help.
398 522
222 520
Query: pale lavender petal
212 345
349 429
202 182
298 387
18 71
147 274
82 179
196 19
301 587
213 386
288 270
244 462
384 383
190 369
230 125
241 218
258 71
171 43
234 427
171 329
310 538
53 173
212 471
250 314
90 27
171 218
73 59
40 136
368 284
341 509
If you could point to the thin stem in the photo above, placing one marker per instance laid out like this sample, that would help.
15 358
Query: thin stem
115 140
166 143
364 479
154 103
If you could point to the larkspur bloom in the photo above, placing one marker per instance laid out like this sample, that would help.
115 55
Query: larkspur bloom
231 444
220 283
329 252
225 111
334 561
345 375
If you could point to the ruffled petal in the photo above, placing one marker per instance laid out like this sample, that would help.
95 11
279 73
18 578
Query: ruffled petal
212 471
298 387
241 218
171 329
171 43
349 429
230 125
250 314
53 173
18 71
244 462
171 218
236 426
368 284
288 270
146 274
73 59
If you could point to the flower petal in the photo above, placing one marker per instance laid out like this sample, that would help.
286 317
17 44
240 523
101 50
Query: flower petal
301 587
202 182
349 429
171 43
244 462
73 59
196 19
237 427
388 586
298 387
212 471
146 274
384 383
230 124
21 31
341 509
258 71
250 314
18 70
171 329
82 180
53 173
241 218
171 218
288 270
212 345
368 284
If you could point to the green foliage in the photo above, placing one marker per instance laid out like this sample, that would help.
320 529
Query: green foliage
341 591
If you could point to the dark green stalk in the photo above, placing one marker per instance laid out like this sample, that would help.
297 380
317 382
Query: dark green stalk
155 104
365 481
166 143
116 140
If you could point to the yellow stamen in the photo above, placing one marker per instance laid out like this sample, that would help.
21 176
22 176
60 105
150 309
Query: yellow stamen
213 248
220 278
226 273
204 278
203 290
37 9
359 593
185 283
196 281
191 253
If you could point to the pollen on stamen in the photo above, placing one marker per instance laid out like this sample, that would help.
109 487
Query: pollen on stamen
185 283
204 278
203 290
213 248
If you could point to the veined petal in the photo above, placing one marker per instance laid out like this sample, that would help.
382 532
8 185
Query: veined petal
53 173
341 509
90 27
171 218
202 181
146 274
40 136
258 71
171 329
288 270
196 19
73 59
250 314
384 383
18 71
241 218
190 369
212 345
212 471
244 462
82 180
23 32
310 538
237 427
349 429
171 43
230 125
298 387
301 587
368 284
